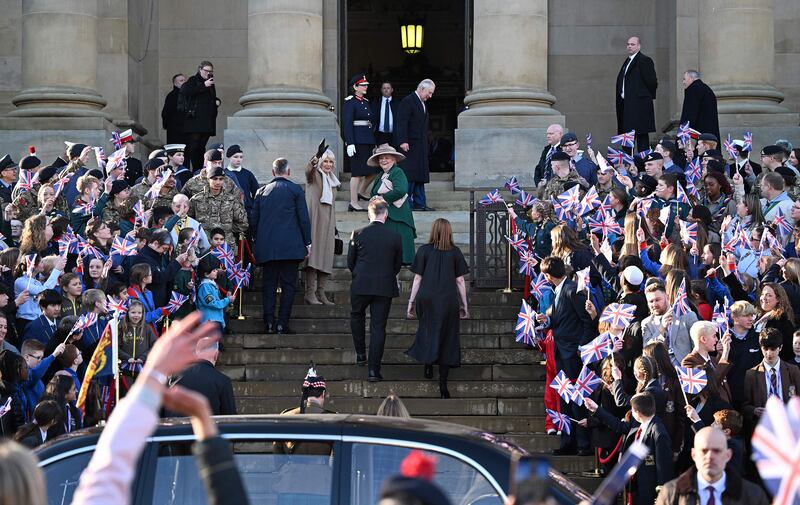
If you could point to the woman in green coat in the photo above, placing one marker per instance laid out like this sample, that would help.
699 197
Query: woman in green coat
392 185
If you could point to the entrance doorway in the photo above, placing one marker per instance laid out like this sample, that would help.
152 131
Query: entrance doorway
372 44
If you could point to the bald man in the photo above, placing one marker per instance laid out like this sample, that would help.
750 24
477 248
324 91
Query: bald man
543 171
708 483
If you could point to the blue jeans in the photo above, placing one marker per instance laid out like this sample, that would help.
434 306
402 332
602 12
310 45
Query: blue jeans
416 191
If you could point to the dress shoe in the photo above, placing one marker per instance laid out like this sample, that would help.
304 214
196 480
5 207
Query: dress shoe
428 209
443 391
551 431
374 376
269 329
563 451
584 452
361 359
428 372
363 198
284 330
350 208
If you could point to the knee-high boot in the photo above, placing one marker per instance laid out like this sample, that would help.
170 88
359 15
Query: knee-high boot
311 288
322 281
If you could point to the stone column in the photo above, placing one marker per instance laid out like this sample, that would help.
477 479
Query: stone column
285 113
509 106
737 60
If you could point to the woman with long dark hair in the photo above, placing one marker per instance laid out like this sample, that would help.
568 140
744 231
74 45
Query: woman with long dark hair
35 433
62 390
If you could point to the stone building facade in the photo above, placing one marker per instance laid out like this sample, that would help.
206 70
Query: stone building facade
77 69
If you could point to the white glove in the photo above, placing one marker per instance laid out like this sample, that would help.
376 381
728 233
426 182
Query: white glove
351 150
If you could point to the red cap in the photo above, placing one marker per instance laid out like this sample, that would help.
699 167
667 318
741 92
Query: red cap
32 149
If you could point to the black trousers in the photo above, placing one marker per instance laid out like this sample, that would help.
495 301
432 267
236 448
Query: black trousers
642 142
579 436
383 138
196 148
379 313
285 272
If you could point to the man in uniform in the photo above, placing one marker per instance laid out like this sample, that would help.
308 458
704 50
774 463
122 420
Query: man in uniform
312 401
211 159
153 170
563 178
215 209
584 166
133 167
8 176
175 158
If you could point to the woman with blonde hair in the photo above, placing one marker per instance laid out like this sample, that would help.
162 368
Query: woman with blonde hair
321 188
20 477
438 299
392 406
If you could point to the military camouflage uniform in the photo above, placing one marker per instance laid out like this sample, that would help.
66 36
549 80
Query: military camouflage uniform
28 203
162 200
199 182
555 186
112 213
603 193
220 211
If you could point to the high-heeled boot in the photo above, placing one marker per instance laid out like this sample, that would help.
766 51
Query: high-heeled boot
322 281
311 288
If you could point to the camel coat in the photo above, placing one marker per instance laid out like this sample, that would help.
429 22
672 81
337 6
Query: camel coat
323 222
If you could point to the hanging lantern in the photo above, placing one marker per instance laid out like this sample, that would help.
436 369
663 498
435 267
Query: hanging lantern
411 35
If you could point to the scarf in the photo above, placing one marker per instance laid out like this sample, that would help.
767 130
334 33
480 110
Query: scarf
329 181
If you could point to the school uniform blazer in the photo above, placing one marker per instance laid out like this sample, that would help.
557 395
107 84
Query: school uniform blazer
755 387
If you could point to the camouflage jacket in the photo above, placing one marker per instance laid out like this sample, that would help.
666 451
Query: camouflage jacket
219 211
27 202
556 185
116 213
138 192
199 183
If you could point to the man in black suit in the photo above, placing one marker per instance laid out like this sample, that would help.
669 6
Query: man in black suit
171 118
699 104
203 378
282 231
374 258
543 171
749 169
411 135
658 467
384 110
636 90
571 326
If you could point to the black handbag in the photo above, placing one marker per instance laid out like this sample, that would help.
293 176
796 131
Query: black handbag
338 244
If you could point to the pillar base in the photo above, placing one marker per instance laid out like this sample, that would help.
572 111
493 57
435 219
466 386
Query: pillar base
766 128
509 102
271 102
59 101
291 136
48 134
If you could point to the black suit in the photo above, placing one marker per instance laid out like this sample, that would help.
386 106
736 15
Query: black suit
374 257
543 169
203 378
384 137
411 127
658 467
700 108
171 119
635 111
163 270
572 327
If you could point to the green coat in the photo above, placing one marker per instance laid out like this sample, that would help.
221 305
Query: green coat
400 219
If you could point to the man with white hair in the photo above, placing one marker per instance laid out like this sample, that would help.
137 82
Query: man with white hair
705 341
411 135
699 104
544 171
181 220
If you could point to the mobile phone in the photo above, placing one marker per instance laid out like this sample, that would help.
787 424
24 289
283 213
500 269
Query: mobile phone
524 467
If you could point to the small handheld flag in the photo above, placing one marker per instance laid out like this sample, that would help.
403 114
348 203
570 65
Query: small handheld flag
224 254
124 247
618 315
570 198
730 146
6 407
748 141
681 305
491 198
776 449
176 300
626 139
527 262
689 232
561 421
584 279
684 133
693 380
585 385
540 285
526 324
525 199
589 140
118 307
590 201
562 385
512 185
600 347
782 225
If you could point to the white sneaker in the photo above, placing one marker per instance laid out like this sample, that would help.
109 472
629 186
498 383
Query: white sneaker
551 431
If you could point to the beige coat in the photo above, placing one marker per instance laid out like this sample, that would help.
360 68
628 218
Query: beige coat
323 222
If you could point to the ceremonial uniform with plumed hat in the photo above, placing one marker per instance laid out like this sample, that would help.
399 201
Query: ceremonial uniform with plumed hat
312 401
133 167
358 129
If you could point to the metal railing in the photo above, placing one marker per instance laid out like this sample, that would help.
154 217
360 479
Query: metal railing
492 260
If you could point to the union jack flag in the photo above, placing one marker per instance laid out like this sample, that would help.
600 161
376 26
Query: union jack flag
590 201
605 226
689 232
235 273
584 280
527 261
84 207
619 157
589 140
526 324
721 318
692 189
681 305
768 241
735 241
626 139
694 169
115 160
512 184
600 347
118 307
224 254
562 385
684 132
570 198
491 197
100 156
618 315
680 194
61 183
748 141
730 146
776 450
585 385
693 380
605 206
540 285
116 140
192 242
175 301
84 321
27 179
30 264
6 407
560 420
644 154
782 224
519 244
525 199
744 239
562 212
245 275
138 211
124 247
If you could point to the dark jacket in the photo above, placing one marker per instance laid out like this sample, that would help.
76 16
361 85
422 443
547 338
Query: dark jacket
163 270
635 111
221 479
543 170
39 329
15 418
744 355
411 127
280 223
171 119
376 105
374 258
700 108
247 182
569 320
755 388
203 101
203 378
738 491
357 109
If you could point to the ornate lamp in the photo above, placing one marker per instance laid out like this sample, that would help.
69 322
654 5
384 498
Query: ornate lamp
412 32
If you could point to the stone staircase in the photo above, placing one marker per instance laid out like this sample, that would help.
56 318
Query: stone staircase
499 387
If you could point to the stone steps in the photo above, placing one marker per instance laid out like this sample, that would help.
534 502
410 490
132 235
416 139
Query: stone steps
342 325
345 341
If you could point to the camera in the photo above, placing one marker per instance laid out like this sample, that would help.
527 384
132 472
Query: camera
211 75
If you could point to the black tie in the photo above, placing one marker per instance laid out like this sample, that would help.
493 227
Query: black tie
711 500
386 112
773 383
548 171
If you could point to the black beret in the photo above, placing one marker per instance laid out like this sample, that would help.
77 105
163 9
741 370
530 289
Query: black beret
648 181
234 149
153 164
47 173
702 213
118 186
711 153
715 165
426 492
215 172
560 156
6 162
75 150
772 150
668 144
96 172
653 157
217 145
568 137
709 137
59 162
29 162
788 174
213 155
